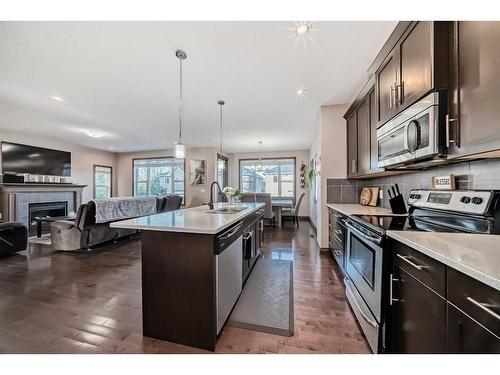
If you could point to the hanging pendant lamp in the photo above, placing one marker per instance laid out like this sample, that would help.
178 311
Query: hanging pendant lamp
179 147
221 163
259 165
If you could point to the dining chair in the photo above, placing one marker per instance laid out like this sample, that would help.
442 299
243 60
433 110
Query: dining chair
294 212
261 198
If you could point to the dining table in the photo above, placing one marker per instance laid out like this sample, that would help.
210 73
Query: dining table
278 205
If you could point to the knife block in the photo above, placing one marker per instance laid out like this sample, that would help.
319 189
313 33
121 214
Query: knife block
398 205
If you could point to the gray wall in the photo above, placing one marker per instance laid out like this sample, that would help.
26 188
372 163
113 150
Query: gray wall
481 174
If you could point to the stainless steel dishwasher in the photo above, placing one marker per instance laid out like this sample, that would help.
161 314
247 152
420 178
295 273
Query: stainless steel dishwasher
228 270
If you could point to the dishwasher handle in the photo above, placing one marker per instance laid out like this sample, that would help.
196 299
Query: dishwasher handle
225 239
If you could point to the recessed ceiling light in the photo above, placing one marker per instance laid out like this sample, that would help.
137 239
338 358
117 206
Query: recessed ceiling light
300 92
58 98
302 29
94 133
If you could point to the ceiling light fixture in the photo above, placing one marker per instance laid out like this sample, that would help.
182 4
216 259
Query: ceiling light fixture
94 133
179 147
221 163
302 29
258 167
58 98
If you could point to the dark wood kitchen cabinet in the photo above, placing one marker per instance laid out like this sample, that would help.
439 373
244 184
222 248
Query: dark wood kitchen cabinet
418 316
352 145
437 309
475 90
363 144
362 148
466 336
417 64
386 78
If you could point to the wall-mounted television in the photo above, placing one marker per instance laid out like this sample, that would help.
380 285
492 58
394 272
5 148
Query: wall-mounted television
18 158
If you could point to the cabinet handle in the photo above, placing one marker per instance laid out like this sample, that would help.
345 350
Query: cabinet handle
398 93
354 166
391 91
448 139
418 267
483 307
391 280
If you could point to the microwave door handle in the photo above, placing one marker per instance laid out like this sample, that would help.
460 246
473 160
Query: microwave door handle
407 147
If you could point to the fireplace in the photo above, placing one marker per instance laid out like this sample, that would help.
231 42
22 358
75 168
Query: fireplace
45 209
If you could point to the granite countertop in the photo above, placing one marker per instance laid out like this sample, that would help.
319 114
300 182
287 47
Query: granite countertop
189 220
357 209
476 255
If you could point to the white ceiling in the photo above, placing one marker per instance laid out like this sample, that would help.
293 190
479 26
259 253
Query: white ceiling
121 78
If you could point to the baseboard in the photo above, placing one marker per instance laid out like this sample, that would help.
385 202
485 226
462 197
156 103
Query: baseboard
312 225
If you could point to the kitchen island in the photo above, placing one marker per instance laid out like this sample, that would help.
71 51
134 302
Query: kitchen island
194 264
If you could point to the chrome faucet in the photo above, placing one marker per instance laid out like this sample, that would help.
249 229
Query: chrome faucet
211 203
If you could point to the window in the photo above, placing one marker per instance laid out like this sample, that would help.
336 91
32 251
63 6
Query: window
102 181
222 171
159 176
275 176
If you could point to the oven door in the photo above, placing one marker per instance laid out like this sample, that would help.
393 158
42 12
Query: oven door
364 268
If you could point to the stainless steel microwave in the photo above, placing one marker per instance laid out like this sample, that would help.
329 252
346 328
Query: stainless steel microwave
416 134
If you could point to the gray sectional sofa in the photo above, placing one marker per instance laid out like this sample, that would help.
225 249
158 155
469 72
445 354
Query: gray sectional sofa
91 225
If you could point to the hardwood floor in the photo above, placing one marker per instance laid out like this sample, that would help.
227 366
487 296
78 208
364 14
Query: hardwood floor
91 303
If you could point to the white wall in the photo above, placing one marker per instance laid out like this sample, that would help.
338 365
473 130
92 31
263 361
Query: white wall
82 158
300 156
194 196
331 143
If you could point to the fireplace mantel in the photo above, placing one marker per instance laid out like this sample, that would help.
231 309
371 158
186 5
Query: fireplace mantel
14 198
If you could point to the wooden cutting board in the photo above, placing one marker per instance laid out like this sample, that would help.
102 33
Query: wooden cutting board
365 197
374 196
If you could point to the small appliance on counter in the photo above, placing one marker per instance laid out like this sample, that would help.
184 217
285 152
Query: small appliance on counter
11 178
367 256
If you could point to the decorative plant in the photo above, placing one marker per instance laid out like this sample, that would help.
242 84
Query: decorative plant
311 176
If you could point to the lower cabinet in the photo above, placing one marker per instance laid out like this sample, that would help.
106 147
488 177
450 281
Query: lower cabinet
466 336
418 316
437 309
336 237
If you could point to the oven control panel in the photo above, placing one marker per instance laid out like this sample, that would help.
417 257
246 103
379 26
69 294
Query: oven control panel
474 202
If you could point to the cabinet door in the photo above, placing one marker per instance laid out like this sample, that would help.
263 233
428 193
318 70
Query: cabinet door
352 145
373 133
476 87
364 137
415 53
467 336
418 316
386 80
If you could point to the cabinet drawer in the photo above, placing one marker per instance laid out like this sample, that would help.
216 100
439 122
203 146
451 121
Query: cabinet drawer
476 299
427 270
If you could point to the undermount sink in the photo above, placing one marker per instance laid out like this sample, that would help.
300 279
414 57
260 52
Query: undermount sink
227 210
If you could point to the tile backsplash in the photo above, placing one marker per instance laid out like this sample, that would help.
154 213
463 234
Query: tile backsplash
479 174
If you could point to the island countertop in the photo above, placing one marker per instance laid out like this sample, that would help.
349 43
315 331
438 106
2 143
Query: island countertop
189 220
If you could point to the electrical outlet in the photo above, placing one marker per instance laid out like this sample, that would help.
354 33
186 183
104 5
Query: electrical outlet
381 194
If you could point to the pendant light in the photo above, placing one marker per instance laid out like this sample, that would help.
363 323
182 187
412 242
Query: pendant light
221 163
259 165
179 147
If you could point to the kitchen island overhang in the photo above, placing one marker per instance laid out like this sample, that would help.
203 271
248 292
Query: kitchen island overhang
180 269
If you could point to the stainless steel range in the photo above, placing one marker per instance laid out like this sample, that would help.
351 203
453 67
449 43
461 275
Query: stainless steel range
470 211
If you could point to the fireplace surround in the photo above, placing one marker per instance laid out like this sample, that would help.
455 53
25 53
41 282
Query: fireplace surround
15 199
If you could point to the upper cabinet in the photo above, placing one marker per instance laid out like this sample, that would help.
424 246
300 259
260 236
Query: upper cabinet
475 92
417 64
386 78
352 145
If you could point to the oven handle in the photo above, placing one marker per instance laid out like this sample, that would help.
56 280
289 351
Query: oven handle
366 318
375 240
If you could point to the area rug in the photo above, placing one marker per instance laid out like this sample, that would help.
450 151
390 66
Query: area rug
266 302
